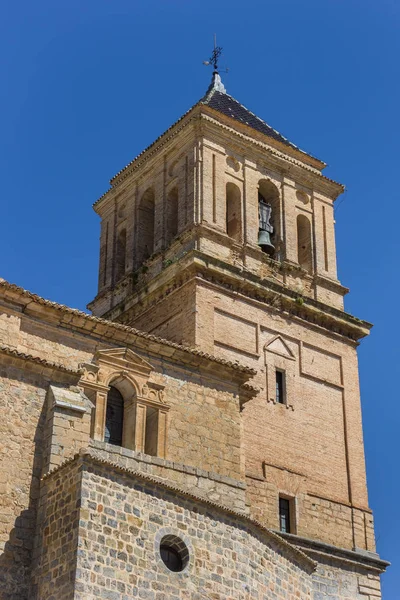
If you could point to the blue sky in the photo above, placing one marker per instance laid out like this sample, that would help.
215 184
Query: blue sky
86 85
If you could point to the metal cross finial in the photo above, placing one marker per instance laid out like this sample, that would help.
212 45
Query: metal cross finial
215 55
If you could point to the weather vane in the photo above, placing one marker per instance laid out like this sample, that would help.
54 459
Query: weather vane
213 60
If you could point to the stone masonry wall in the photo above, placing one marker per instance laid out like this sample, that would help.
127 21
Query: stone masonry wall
203 429
21 427
57 535
331 582
205 484
203 414
122 521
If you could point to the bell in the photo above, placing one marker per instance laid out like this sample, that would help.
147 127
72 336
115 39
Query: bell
264 240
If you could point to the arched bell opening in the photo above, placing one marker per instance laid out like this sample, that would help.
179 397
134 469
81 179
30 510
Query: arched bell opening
304 245
233 212
269 231
145 228
135 417
120 255
172 215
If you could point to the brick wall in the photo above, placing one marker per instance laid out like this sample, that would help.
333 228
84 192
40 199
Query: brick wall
308 438
173 318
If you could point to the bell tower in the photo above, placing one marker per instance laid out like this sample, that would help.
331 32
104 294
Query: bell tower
219 183
220 236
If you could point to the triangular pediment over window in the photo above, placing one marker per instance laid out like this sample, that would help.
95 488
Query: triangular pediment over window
278 346
124 359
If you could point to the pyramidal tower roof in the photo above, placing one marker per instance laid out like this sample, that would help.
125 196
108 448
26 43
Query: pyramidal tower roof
217 98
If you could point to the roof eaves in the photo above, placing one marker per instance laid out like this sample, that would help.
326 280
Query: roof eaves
209 96
90 319
153 143
276 152
42 362
126 169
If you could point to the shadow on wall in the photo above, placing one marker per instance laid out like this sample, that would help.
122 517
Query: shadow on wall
16 557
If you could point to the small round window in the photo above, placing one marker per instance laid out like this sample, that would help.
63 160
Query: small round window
174 553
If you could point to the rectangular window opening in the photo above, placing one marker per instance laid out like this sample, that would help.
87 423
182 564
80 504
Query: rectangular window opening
151 433
284 515
280 394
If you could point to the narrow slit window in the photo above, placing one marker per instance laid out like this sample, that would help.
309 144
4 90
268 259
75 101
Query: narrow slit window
284 515
280 387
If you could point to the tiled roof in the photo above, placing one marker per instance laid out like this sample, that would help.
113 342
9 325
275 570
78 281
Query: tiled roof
217 98
91 320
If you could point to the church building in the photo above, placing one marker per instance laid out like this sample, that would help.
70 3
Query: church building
199 435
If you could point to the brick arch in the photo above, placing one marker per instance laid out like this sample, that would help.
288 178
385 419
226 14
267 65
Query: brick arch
145 226
269 193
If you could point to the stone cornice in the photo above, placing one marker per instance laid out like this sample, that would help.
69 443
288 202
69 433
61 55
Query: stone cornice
249 132
85 457
359 558
147 153
279 154
55 313
282 298
274 294
200 111
41 364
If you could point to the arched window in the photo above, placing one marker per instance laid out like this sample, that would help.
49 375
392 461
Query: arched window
304 248
233 212
268 194
114 417
133 421
172 215
120 255
145 230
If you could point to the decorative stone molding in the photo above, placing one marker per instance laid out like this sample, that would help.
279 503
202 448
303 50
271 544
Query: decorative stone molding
278 346
70 399
68 419
130 374
278 355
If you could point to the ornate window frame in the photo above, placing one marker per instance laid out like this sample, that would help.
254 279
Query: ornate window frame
131 375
